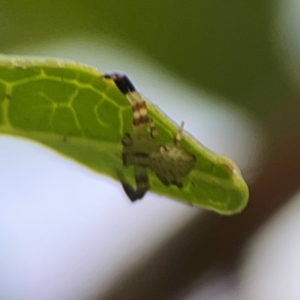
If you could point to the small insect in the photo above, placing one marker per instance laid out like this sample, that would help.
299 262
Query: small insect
143 151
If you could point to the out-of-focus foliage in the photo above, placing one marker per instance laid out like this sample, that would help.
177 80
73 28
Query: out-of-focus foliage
221 46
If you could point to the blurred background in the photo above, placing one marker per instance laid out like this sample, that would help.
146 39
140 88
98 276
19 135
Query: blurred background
230 70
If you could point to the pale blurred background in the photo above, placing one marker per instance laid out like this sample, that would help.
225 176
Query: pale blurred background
231 72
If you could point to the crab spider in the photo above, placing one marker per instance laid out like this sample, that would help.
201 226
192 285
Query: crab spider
142 150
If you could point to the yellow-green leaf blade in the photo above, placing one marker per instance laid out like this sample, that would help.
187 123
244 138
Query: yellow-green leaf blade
72 109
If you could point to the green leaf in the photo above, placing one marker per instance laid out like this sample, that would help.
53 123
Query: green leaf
75 111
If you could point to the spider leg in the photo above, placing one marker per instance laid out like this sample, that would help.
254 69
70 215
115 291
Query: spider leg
178 135
136 100
142 184
136 140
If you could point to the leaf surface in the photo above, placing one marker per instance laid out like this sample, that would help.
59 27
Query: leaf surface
71 108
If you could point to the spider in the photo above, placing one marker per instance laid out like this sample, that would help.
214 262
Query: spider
143 151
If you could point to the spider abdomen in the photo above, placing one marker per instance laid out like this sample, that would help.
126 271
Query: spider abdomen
171 164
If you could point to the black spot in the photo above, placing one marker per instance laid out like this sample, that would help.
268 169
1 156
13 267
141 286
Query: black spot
122 82
132 194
